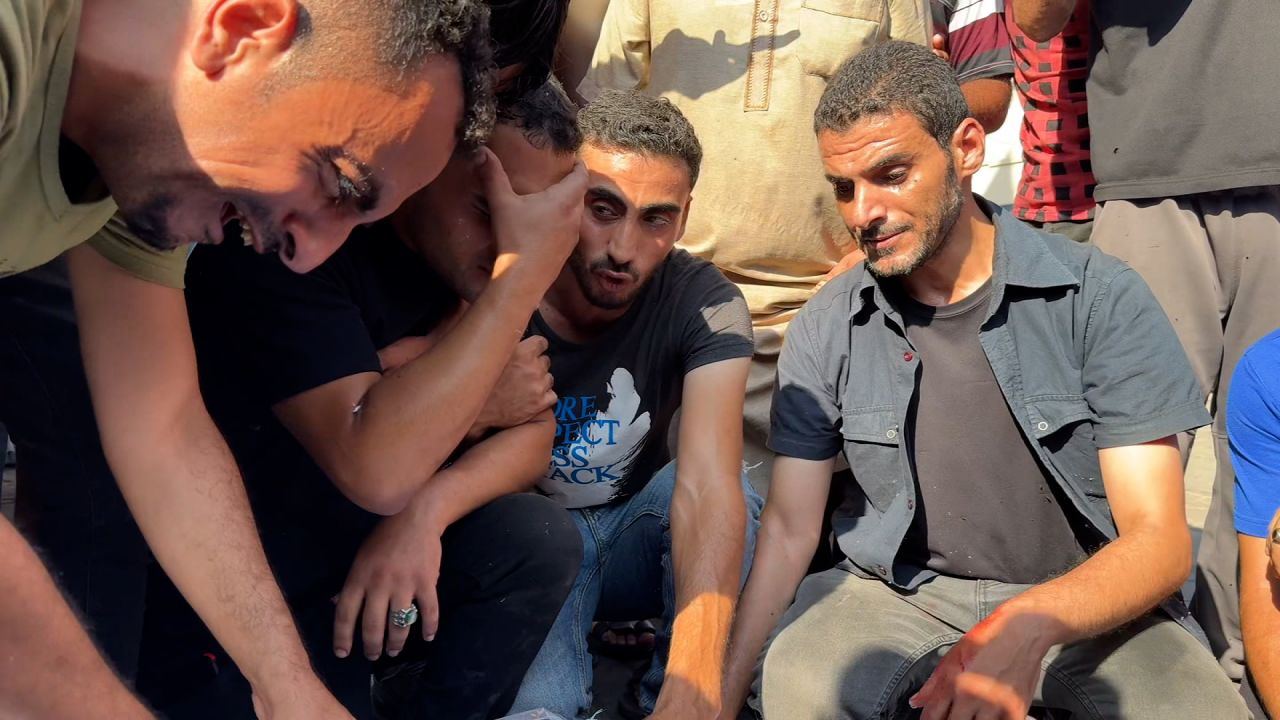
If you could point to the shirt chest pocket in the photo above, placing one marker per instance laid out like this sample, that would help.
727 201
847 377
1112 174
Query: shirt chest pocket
832 31
1063 426
871 445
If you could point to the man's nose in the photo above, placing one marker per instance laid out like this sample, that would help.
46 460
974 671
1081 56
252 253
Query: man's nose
313 243
865 210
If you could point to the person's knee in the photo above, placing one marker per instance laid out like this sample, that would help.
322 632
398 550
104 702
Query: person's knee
541 539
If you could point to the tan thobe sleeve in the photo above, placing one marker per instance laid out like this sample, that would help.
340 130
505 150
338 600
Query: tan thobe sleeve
910 20
621 58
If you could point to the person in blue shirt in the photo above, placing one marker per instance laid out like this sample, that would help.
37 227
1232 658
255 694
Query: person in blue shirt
1253 431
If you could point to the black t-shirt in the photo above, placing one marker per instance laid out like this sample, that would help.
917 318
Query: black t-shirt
263 334
986 507
618 392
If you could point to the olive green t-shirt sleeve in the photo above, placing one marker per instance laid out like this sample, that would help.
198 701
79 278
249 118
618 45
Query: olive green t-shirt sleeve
116 243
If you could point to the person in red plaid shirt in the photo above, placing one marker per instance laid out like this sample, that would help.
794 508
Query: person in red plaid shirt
1056 190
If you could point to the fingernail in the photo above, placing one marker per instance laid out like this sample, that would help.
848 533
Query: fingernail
340 652
392 653
431 637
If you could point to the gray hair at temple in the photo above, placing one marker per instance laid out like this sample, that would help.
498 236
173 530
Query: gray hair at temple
547 117
402 35
896 76
631 121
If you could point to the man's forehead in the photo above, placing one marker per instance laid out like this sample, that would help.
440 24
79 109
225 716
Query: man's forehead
637 178
872 138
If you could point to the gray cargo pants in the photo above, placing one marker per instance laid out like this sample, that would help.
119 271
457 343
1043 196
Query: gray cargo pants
1213 262
852 647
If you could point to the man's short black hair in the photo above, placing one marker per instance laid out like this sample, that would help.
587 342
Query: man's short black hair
546 115
895 76
526 32
634 122
404 34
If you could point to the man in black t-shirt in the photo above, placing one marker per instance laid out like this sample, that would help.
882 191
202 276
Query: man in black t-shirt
381 384
636 330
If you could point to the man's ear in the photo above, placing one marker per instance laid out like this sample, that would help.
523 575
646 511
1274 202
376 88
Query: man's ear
968 147
236 31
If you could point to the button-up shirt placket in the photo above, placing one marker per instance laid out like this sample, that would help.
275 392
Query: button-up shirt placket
764 33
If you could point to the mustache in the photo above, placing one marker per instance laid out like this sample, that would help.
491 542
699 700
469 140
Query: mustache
611 266
876 232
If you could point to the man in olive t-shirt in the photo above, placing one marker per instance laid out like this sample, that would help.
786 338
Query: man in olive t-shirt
245 118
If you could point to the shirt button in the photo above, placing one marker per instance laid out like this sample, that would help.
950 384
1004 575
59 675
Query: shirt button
764 15
907 356
893 433
880 570
1042 426
911 504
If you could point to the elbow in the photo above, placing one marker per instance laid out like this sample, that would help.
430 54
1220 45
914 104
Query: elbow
377 492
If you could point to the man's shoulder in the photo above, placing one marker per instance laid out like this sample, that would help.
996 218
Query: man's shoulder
837 296
686 275
1260 365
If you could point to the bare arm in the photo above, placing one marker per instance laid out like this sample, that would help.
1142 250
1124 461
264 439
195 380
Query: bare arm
366 431
708 527
400 561
1042 19
180 481
49 668
988 100
790 529
1260 616
997 663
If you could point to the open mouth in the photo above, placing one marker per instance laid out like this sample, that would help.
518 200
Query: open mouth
613 280
236 227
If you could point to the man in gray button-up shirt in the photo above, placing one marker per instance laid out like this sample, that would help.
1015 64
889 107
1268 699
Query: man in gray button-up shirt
1014 533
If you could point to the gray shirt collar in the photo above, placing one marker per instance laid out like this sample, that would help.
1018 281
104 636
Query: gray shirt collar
1021 260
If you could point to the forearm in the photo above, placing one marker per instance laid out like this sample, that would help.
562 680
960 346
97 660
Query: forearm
1260 620
1120 582
708 524
782 558
505 463
443 389
988 100
49 667
1042 19
185 492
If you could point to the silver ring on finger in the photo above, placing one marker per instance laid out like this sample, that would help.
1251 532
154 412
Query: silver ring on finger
404 617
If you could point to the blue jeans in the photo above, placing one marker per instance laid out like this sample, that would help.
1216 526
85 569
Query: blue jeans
626 575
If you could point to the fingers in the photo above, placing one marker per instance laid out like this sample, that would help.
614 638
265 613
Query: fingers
534 345
548 401
344 618
377 604
497 186
430 608
396 636
571 187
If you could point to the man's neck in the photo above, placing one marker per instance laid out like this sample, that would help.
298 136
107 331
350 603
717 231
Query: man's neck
115 62
963 263
570 315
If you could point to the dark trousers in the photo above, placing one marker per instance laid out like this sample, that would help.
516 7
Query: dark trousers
505 571
68 504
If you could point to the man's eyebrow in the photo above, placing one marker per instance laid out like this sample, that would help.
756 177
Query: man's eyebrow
897 158
365 189
604 193
668 208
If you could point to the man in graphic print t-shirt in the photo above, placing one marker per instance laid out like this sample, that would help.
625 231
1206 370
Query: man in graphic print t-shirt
636 330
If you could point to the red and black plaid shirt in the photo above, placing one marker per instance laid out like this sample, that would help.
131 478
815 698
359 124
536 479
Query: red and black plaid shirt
1057 178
